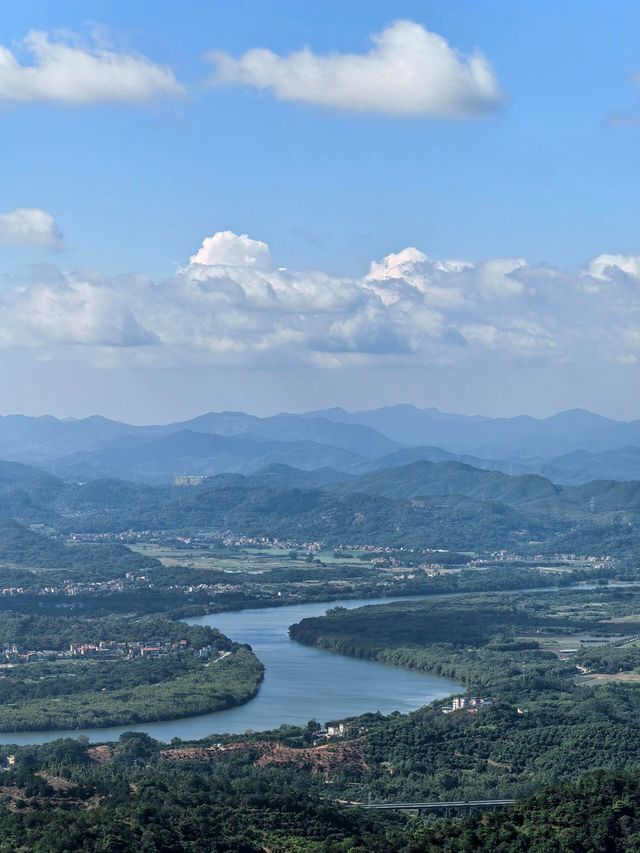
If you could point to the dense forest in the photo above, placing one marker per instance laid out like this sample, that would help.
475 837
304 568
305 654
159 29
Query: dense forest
140 795
599 813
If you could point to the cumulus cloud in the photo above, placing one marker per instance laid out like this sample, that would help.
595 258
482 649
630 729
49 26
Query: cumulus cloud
231 305
78 309
408 71
227 249
64 71
605 268
29 226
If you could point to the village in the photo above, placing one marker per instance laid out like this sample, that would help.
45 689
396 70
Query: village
105 650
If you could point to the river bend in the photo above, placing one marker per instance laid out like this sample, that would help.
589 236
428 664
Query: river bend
300 684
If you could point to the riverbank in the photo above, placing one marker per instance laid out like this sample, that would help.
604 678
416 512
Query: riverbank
525 723
300 683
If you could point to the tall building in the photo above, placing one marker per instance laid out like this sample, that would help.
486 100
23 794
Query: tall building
188 480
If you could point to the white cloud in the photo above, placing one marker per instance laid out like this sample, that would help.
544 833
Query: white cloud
29 226
519 337
232 250
408 71
604 268
66 72
84 310
232 306
500 277
411 268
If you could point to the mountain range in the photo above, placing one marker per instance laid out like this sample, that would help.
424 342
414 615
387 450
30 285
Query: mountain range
495 438
571 447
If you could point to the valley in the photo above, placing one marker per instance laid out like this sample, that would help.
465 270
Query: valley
426 630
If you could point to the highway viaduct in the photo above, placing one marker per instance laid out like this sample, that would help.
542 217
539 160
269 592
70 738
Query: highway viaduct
446 809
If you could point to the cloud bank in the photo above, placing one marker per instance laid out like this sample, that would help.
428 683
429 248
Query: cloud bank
408 71
29 226
231 306
66 72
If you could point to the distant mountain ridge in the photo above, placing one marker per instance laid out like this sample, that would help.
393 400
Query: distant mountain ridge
495 438
209 444
205 454
47 437
571 447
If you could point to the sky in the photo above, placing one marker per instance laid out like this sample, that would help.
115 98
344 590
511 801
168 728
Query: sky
287 206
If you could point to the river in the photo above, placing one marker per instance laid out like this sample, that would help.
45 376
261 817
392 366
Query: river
300 684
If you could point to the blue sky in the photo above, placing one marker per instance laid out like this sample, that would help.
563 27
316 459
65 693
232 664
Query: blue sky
545 170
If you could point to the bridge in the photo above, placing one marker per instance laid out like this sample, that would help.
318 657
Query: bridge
446 809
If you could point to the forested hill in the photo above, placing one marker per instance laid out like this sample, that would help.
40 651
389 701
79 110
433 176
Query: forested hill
450 478
25 548
27 491
447 505
425 478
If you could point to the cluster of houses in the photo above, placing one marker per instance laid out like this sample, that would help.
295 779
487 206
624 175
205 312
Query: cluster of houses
75 587
11 654
121 536
597 562
470 704
208 587
103 650
112 585
114 649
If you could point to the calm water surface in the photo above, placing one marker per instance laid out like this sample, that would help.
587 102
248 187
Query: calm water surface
300 684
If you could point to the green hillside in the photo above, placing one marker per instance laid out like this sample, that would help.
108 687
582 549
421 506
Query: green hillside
25 548
424 504
454 478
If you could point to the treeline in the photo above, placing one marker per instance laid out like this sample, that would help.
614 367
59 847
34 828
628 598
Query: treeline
57 679
33 631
